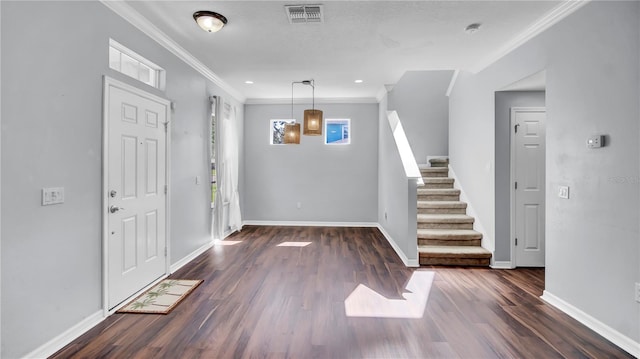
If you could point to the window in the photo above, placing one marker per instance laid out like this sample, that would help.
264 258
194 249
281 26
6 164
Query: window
337 132
131 64
276 131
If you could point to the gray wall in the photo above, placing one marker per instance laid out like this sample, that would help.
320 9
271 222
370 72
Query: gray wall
420 99
592 66
333 183
505 100
52 136
396 193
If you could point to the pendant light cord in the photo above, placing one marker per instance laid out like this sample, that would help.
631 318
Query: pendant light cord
313 94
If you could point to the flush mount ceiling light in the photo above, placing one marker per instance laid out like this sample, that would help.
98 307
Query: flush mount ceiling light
209 21
473 28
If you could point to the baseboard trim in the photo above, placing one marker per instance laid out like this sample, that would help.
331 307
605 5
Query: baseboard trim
625 343
407 262
189 257
309 224
59 342
502 265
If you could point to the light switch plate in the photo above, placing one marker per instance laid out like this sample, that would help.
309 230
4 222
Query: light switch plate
563 192
52 195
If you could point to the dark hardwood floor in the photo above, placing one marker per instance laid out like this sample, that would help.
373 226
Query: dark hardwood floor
260 300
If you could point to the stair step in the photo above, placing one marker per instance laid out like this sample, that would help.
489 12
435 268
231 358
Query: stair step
439 162
445 221
438 194
438 182
449 237
434 171
443 207
449 234
454 255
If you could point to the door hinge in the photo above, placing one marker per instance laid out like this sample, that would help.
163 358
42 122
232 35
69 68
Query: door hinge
515 185
166 252
166 126
166 189
516 127
516 241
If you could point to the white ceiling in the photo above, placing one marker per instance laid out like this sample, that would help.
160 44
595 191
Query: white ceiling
374 41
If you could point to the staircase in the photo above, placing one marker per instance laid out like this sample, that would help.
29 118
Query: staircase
445 232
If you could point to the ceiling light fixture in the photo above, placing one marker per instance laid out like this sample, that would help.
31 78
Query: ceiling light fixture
209 21
292 133
358 81
473 28
249 82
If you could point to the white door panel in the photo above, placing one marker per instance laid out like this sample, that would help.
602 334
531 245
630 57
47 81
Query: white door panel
136 178
528 169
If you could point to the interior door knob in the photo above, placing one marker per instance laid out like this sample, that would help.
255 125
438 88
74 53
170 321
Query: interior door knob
114 209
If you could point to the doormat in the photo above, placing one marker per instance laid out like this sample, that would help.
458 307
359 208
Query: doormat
161 298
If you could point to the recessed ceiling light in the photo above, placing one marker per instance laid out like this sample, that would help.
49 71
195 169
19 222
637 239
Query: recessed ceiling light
472 28
358 81
249 82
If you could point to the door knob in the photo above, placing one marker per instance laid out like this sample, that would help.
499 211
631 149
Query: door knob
114 209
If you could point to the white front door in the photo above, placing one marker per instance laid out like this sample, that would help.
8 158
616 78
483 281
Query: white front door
135 198
528 172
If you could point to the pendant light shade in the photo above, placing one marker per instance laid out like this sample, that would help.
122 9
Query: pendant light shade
292 133
312 122
209 21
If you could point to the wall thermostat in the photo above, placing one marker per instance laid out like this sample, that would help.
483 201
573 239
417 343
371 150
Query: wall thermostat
595 141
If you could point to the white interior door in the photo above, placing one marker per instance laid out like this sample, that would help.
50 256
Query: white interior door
528 173
135 189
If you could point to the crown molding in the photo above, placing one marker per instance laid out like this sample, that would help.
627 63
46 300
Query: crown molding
126 12
305 101
383 92
551 18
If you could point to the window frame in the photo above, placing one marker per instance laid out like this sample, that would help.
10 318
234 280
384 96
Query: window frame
157 74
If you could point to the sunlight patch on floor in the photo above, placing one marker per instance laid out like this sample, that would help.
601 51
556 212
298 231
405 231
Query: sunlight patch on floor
226 243
365 302
293 244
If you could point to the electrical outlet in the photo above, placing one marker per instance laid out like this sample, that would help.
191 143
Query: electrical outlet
638 292
595 141
563 192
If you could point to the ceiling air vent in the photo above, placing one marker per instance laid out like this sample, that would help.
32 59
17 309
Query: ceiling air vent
300 14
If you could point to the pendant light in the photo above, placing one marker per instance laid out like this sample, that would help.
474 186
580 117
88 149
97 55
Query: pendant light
313 117
292 133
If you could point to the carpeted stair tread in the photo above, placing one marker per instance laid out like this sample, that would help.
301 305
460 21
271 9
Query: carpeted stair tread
438 180
438 191
453 251
445 218
449 234
434 171
441 204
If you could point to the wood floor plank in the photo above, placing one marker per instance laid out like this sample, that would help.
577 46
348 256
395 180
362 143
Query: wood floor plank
261 300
